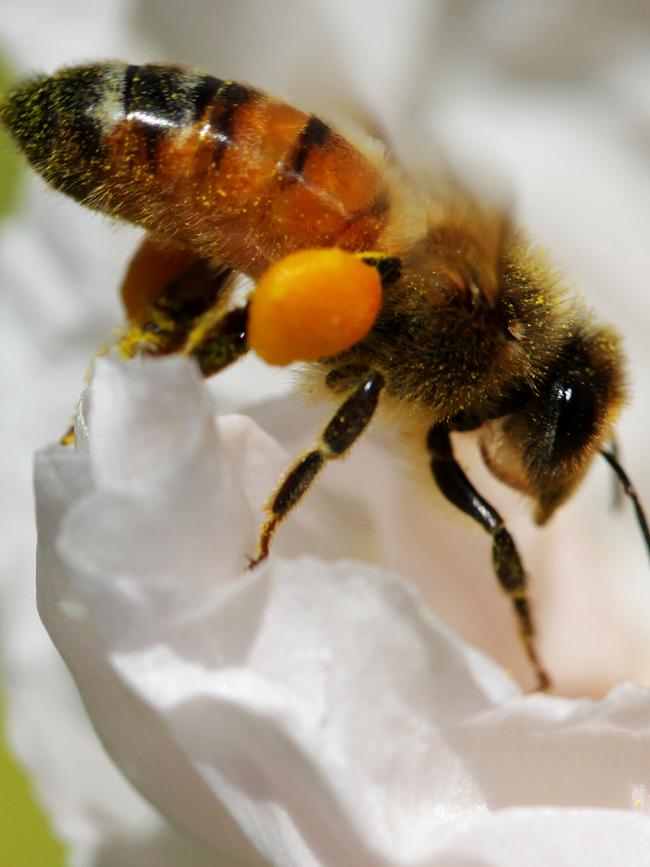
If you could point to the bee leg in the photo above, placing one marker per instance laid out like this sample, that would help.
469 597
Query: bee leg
167 294
222 340
190 315
177 302
343 429
457 488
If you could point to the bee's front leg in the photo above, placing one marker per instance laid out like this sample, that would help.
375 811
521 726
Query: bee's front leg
343 429
457 488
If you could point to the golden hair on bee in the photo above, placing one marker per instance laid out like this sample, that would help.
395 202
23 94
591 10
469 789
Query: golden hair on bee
439 305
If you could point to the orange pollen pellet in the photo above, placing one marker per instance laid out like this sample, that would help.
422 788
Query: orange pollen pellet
312 304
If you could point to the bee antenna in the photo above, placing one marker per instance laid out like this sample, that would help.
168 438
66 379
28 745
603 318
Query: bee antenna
629 489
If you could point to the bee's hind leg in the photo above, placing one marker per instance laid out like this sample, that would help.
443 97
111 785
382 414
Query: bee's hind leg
457 488
178 302
221 341
343 429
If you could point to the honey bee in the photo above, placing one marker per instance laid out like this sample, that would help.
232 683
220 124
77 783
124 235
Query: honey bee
438 305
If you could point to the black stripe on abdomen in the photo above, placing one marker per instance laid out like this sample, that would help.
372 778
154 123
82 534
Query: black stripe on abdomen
313 135
74 106
155 99
74 110
229 99
203 94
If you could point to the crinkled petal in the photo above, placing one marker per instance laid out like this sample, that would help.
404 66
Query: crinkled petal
319 704
540 837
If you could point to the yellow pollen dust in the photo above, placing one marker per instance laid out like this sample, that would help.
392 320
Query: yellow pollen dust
312 304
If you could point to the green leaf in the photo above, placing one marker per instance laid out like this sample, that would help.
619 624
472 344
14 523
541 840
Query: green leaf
26 838
11 164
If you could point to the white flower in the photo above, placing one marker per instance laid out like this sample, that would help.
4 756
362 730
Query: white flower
319 703
553 98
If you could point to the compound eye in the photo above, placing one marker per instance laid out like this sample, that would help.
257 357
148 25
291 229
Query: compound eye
575 420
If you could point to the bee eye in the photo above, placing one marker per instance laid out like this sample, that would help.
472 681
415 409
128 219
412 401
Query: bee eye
575 417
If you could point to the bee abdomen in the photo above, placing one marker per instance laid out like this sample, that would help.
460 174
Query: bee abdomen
65 123
216 164
54 121
155 104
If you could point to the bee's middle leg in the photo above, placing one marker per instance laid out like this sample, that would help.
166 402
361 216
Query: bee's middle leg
457 488
343 429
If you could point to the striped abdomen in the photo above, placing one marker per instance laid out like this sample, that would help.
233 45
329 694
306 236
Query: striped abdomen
217 165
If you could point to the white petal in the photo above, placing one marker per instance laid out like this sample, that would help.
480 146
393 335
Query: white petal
305 696
539 837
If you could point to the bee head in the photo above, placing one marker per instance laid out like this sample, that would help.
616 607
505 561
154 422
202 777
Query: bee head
545 445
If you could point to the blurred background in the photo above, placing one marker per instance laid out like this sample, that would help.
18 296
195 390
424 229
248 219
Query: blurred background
544 103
